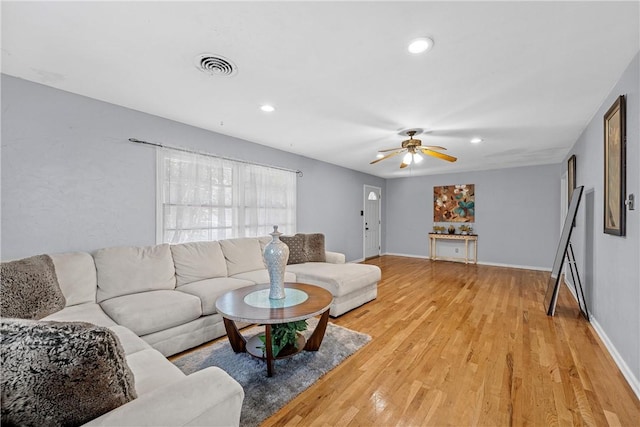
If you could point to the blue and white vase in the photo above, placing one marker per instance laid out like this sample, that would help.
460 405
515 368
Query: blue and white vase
276 255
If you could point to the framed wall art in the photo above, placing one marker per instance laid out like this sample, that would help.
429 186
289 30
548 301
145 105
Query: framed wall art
615 168
454 203
571 177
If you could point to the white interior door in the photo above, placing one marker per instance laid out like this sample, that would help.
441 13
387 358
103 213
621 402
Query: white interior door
372 221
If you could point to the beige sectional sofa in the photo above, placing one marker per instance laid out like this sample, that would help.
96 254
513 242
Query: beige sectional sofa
166 294
160 300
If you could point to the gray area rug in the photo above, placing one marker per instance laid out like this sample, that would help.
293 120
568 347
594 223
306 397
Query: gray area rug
263 395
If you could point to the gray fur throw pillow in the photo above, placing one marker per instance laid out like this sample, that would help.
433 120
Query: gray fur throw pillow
314 247
61 374
30 288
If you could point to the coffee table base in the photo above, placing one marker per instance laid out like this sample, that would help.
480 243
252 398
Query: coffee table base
239 342
256 348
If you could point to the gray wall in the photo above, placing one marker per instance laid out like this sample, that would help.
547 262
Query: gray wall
71 181
517 214
609 265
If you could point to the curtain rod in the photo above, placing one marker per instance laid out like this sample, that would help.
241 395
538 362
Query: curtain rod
184 150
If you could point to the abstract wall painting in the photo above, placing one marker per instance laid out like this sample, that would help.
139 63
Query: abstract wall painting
454 203
615 168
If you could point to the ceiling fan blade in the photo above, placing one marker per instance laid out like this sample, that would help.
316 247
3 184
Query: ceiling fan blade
433 147
389 149
387 156
439 155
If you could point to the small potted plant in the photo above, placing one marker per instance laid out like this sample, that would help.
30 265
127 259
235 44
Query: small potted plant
452 229
284 337
465 229
438 229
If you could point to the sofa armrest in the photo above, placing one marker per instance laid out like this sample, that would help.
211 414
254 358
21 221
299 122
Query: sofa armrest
209 397
335 257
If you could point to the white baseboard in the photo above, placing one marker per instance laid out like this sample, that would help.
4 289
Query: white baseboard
355 261
406 255
624 368
622 365
494 264
520 267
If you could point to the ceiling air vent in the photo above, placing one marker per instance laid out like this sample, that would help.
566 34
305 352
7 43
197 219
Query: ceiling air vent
216 65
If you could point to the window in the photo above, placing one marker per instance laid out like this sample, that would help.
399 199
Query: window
208 198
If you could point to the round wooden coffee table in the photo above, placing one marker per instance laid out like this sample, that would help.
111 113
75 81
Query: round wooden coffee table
252 305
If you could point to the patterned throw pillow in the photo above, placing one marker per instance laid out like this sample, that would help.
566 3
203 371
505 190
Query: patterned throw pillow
297 253
56 373
305 248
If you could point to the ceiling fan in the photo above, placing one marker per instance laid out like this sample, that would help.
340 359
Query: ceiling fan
413 148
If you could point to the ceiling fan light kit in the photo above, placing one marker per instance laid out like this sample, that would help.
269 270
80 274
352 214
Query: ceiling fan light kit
413 147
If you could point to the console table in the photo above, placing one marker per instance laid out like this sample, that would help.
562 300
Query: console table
434 237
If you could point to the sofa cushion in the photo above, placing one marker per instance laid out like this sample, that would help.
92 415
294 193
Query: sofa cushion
153 311
296 243
131 343
152 370
129 270
188 335
209 290
335 257
339 279
76 372
208 397
242 255
76 274
30 288
90 313
264 241
198 261
262 276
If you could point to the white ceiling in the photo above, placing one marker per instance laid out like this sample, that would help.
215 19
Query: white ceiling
525 76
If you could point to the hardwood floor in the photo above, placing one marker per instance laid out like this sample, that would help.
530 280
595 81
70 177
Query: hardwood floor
457 344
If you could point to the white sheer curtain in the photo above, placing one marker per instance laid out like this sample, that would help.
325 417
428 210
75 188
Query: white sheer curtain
269 197
207 198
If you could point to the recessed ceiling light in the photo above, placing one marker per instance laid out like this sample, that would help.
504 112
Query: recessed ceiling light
267 108
420 45
476 140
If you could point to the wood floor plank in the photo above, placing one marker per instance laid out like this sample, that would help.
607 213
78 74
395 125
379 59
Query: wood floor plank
456 344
